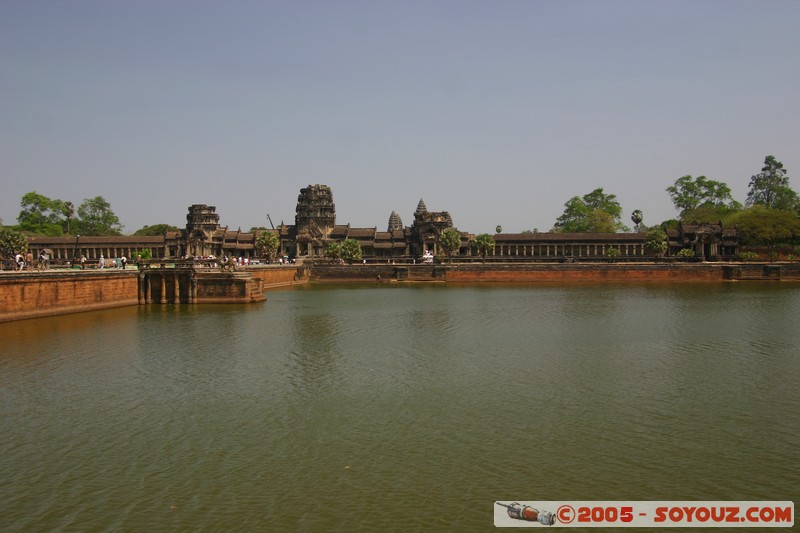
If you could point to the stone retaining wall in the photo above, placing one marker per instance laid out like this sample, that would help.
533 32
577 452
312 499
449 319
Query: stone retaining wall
36 294
30 295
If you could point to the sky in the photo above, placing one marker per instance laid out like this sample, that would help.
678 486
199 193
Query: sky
496 111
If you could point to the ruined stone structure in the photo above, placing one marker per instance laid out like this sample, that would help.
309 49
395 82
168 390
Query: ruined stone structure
395 223
427 227
189 281
315 219
708 241
315 227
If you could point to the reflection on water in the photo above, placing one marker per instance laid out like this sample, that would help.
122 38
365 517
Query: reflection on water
329 406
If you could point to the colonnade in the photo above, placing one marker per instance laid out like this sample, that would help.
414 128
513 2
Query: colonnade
566 250
167 286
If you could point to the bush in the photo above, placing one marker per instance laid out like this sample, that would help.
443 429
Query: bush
748 256
686 253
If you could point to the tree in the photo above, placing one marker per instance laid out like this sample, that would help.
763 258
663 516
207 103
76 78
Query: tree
655 242
637 217
156 230
770 187
595 212
333 250
40 214
97 218
450 241
763 226
351 250
68 210
599 221
689 194
12 242
483 243
268 243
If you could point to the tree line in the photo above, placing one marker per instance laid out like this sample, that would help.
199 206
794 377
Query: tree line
50 217
769 216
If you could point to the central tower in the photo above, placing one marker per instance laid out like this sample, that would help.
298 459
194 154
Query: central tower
314 219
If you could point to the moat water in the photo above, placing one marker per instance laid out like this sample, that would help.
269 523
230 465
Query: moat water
398 407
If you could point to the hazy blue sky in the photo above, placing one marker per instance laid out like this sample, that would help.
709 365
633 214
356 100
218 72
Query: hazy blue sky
497 111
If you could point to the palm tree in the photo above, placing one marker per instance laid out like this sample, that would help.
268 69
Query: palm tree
637 218
68 210
483 243
450 240
268 243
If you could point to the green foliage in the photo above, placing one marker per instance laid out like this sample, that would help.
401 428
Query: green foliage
707 213
595 212
498 229
748 256
44 230
483 243
97 218
770 187
39 213
656 242
686 253
613 253
145 253
351 250
450 240
333 250
689 194
763 226
68 210
155 230
672 223
637 217
12 242
268 244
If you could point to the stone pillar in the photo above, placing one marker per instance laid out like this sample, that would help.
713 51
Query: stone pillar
148 294
193 291
163 287
177 288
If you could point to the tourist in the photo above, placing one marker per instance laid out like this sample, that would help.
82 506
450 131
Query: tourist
19 261
83 262
28 260
123 260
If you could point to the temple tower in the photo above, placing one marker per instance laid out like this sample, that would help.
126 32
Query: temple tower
427 227
202 222
314 219
395 224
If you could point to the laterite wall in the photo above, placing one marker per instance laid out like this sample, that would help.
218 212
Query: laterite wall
33 294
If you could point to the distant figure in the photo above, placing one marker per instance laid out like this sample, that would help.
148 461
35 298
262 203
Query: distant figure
124 261
102 261
83 262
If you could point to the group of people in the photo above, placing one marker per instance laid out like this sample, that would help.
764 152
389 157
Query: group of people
25 262
119 262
